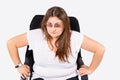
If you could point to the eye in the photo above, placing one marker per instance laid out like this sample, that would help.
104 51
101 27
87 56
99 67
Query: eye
48 25
57 25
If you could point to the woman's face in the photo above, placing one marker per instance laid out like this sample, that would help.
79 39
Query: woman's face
54 27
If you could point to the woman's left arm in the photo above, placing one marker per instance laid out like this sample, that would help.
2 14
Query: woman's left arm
98 50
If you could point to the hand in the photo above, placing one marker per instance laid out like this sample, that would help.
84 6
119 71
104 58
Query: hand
84 70
24 71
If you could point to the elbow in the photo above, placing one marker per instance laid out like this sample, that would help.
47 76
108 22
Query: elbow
101 50
10 42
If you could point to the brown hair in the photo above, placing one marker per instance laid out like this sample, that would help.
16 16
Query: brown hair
63 42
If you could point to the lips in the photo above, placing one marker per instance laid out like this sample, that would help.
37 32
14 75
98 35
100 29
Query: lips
53 32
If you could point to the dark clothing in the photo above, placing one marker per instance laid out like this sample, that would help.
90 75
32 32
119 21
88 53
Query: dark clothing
73 78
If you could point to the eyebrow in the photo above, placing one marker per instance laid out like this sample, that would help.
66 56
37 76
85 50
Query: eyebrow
56 22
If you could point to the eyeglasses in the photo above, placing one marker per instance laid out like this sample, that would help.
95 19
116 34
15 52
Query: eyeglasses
56 25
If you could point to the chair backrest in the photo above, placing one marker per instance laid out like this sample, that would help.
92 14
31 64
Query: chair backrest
35 23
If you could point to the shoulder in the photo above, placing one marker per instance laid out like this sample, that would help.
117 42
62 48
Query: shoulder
35 31
76 37
76 34
35 34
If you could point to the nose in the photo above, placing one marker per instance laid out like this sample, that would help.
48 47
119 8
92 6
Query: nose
53 28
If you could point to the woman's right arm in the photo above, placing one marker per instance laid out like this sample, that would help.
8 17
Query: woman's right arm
13 44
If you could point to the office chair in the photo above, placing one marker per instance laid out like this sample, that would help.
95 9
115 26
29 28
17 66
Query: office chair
35 23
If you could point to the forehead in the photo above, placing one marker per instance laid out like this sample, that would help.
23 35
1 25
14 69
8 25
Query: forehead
54 20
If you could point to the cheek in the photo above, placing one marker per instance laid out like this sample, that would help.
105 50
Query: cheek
61 31
48 30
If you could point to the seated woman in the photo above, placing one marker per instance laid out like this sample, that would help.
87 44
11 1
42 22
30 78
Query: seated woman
55 49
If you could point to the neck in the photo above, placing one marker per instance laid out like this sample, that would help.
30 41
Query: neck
53 40
52 45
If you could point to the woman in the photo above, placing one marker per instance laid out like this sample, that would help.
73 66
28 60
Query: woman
55 49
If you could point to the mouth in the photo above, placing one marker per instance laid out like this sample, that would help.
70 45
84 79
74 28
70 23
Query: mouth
53 32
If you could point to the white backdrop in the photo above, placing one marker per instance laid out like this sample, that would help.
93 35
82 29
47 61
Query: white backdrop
99 19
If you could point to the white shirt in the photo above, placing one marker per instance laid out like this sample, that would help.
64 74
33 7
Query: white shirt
46 65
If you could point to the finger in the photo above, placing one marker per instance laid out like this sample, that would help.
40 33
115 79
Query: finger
22 76
82 71
27 74
27 66
82 74
27 70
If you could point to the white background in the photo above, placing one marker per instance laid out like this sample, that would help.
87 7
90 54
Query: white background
99 19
